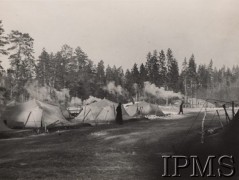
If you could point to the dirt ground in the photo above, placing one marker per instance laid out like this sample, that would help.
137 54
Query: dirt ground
129 151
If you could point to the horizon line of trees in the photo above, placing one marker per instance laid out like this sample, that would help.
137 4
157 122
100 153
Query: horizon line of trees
72 69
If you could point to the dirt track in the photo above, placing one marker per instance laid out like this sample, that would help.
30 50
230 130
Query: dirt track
130 151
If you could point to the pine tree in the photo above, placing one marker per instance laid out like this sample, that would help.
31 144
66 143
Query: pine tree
192 68
83 63
135 74
235 73
1 70
120 76
170 69
100 72
91 76
153 67
149 56
184 77
143 75
85 70
10 83
43 68
21 59
115 76
162 69
109 74
192 74
3 40
210 75
228 77
81 58
175 76
100 80
68 64
202 76
59 71
148 65
129 83
52 69
184 68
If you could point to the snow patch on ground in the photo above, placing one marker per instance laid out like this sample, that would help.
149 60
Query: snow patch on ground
99 133
152 117
173 116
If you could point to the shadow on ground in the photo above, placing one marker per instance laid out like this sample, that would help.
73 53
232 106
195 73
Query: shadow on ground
130 151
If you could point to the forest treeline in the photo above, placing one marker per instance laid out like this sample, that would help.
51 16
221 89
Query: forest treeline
71 68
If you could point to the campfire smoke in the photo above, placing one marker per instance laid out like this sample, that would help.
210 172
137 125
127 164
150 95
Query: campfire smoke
113 89
159 93
45 93
75 101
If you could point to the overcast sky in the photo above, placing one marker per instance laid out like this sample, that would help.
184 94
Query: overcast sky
123 32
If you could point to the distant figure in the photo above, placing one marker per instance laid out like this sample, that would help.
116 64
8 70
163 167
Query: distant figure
138 110
119 119
181 107
5 122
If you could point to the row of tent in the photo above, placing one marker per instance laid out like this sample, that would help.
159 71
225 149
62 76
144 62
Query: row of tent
105 111
35 114
101 111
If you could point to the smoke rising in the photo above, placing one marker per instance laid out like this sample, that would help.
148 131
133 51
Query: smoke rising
159 93
112 89
75 101
62 95
36 92
46 93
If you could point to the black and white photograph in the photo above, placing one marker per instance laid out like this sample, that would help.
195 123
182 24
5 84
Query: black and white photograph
119 89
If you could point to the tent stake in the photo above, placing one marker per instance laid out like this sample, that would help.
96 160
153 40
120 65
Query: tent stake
203 120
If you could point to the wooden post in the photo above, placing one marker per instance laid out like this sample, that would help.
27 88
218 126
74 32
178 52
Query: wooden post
233 111
45 127
27 119
167 96
219 118
203 131
227 116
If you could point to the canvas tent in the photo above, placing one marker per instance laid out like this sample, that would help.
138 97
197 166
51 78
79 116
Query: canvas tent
199 103
143 109
33 114
100 112
3 126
